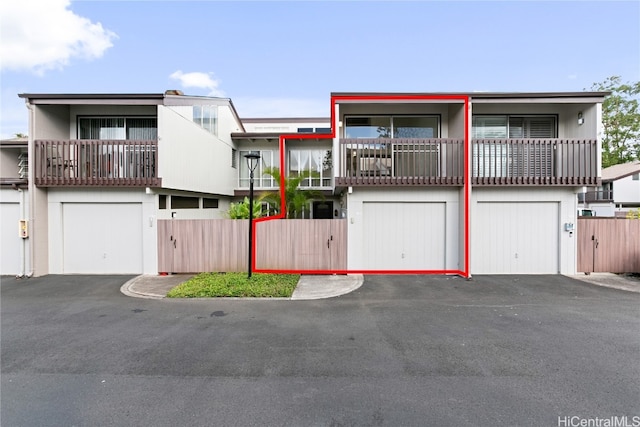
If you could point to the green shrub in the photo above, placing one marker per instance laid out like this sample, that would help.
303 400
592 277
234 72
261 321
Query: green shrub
241 210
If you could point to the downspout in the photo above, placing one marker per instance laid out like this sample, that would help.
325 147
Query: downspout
31 184
23 243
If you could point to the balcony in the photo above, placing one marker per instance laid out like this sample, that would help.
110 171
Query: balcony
534 162
440 162
117 163
390 162
596 196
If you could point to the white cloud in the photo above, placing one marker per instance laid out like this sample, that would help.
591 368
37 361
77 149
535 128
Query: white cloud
200 81
282 107
41 35
572 76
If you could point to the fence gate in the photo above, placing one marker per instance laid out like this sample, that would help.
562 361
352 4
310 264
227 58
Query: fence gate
199 245
608 245
302 244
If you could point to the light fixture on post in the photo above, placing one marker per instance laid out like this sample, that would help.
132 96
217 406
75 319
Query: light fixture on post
252 164
580 118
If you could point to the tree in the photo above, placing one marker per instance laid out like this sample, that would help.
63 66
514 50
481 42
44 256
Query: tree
241 210
621 121
296 199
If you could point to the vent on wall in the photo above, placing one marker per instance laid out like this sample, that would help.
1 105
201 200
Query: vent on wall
23 165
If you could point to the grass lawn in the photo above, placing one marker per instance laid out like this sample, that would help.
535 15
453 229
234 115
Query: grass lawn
207 285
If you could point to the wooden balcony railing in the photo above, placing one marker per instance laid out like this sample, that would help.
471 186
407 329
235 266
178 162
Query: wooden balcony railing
125 163
534 162
596 196
381 162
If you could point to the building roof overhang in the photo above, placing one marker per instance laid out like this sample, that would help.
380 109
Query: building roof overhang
616 172
14 143
170 97
486 97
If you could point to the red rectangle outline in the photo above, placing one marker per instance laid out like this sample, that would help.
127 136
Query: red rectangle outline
467 185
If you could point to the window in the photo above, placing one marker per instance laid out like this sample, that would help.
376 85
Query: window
323 130
415 127
261 180
305 130
208 203
635 177
504 126
489 127
118 128
183 202
207 117
392 127
316 165
234 158
162 201
117 160
23 165
497 159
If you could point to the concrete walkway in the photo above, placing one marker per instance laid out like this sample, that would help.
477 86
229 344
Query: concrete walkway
625 282
308 288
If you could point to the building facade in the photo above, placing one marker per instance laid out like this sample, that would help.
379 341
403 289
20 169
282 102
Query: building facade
441 183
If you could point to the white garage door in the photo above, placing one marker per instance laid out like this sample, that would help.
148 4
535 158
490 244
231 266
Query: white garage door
404 236
516 238
11 245
102 238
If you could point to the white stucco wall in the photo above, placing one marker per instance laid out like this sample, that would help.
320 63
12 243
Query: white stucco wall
9 162
191 158
627 191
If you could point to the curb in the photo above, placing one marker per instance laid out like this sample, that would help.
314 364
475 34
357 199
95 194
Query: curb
306 289
126 289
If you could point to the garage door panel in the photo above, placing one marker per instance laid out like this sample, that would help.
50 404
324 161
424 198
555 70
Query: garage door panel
404 236
516 238
102 238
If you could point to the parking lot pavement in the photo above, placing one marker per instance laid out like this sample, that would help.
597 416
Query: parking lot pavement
400 350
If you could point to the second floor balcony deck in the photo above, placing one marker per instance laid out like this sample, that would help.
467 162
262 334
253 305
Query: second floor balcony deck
596 196
114 163
440 162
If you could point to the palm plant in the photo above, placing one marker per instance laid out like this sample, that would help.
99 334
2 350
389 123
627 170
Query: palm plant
296 199
240 210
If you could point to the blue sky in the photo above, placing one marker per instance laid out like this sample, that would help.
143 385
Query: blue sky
285 58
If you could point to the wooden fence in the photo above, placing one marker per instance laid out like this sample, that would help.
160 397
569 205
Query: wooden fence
302 244
608 245
193 246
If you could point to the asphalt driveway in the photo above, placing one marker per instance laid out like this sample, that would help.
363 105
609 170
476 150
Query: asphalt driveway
401 350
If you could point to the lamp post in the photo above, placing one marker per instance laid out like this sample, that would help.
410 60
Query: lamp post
252 163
